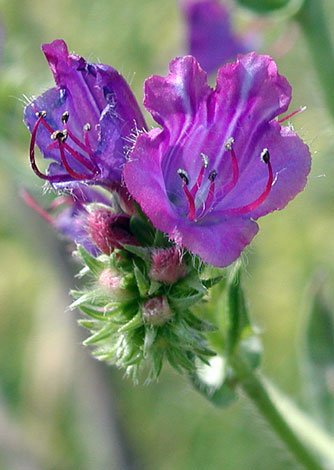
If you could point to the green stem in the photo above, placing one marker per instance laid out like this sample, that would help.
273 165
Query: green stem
258 391
312 20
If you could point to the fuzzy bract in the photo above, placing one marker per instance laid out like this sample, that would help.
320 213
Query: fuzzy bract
84 123
220 159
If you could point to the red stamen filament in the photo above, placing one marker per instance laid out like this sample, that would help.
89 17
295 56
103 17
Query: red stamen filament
235 174
253 205
191 201
74 174
32 150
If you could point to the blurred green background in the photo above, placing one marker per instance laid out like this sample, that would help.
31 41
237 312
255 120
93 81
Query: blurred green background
60 409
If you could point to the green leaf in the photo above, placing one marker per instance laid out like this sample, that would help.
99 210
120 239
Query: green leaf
143 283
208 283
264 6
150 337
89 324
94 265
317 355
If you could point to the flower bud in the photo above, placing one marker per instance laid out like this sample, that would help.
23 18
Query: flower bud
109 231
156 311
167 265
111 283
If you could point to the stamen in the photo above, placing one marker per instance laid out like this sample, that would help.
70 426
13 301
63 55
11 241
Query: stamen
86 129
59 135
53 178
64 117
33 165
265 157
235 167
300 110
199 180
209 197
191 201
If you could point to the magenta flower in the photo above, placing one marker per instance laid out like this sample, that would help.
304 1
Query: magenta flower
220 161
84 123
210 36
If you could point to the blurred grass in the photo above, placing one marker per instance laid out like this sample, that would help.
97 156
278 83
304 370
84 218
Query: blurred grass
52 395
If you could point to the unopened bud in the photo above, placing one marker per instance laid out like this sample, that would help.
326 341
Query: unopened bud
109 231
156 311
111 283
167 265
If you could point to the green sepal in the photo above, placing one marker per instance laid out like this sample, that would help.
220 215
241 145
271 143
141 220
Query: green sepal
264 6
91 312
141 252
93 264
102 334
142 230
221 397
134 323
208 283
92 298
89 324
183 303
150 337
154 287
143 283
317 354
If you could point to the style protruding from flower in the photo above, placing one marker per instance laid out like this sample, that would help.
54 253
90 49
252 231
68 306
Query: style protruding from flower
84 123
210 36
220 160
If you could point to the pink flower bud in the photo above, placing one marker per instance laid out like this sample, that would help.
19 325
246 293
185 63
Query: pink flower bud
167 265
156 311
111 283
109 231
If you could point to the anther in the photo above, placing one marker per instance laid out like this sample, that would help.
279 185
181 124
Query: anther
229 143
212 175
87 127
265 157
205 160
59 135
41 114
183 175
65 116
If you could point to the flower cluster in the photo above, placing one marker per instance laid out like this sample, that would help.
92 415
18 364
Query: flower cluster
145 216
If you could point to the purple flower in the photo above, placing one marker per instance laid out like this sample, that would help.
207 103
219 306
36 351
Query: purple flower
210 37
84 122
220 161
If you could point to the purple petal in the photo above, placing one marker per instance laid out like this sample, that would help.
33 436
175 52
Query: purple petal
197 122
210 36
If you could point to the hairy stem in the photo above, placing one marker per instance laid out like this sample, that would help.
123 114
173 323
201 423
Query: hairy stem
261 394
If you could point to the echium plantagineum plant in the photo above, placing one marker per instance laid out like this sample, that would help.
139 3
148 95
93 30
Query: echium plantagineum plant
156 214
